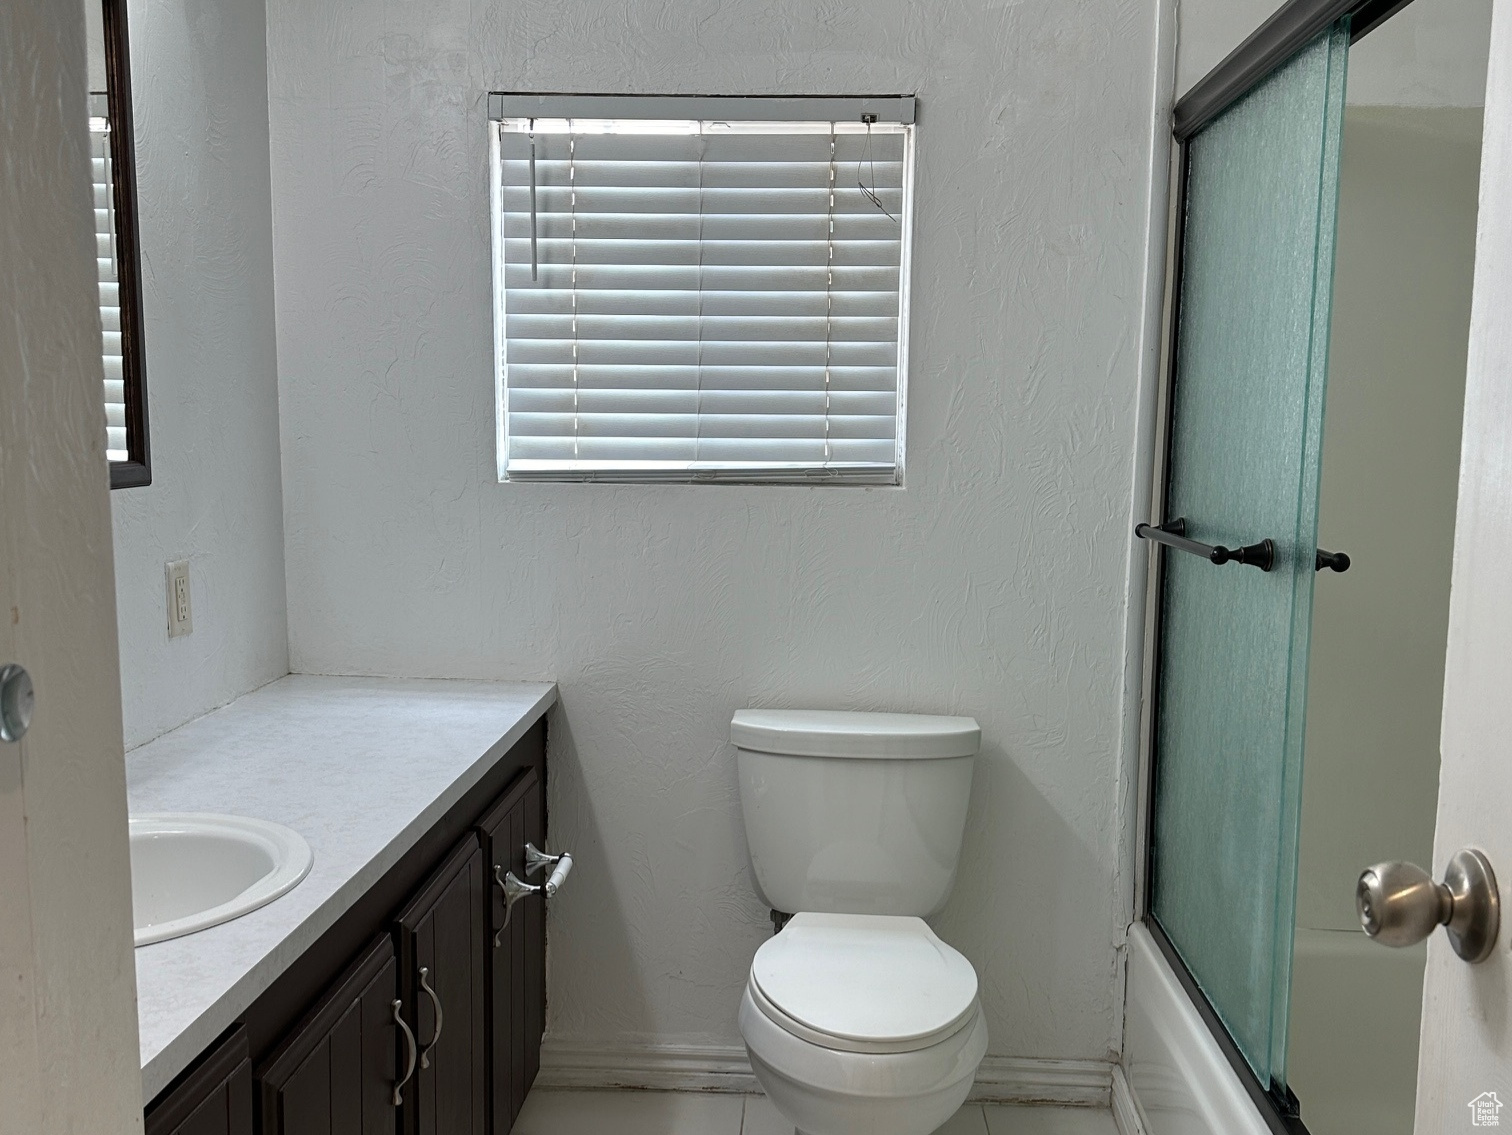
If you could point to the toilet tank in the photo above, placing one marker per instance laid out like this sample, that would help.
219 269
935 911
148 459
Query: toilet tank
854 813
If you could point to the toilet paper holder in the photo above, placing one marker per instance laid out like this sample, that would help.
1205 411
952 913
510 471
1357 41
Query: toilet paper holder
535 859
514 888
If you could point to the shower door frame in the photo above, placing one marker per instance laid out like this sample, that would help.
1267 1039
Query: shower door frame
1287 31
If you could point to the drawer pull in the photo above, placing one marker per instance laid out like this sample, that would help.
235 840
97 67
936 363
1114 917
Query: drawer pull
440 1019
409 1039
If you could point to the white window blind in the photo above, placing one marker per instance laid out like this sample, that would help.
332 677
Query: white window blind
682 296
110 291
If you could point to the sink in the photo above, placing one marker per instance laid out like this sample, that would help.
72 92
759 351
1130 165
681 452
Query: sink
191 870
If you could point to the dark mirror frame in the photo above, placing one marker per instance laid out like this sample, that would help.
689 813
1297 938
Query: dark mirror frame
136 470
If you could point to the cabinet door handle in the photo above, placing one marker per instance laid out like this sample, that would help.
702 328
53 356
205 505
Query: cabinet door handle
409 1038
440 1019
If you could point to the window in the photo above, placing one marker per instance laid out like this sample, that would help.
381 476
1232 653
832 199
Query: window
693 289
114 179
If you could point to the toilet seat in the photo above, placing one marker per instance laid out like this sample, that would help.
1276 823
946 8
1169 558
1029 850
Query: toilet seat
825 1091
863 983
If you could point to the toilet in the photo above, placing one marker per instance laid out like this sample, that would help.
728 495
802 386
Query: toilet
857 1018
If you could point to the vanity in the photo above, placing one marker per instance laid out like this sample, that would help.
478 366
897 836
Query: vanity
396 989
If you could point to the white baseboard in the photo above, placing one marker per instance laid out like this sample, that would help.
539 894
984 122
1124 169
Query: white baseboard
724 1068
1023 1079
1125 1111
661 1067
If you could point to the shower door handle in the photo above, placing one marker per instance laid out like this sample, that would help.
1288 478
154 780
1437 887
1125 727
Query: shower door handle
1261 554
1399 904
1333 561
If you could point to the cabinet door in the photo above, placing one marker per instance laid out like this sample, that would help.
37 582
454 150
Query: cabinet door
517 952
214 1099
441 944
335 1073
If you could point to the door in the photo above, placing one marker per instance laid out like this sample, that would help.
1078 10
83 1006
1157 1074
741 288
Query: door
214 1099
1465 1053
1246 404
337 1072
517 951
441 962
69 1059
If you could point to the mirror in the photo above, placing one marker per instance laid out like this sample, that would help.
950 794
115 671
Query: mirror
113 173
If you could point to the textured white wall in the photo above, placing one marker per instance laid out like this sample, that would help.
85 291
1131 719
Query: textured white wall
1431 53
199 74
995 584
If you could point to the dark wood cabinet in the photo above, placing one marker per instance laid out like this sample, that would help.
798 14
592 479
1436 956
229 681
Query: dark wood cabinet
442 936
213 1098
323 1036
335 1073
516 985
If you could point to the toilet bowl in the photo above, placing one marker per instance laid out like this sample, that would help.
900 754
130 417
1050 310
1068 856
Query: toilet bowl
862 1025
857 1018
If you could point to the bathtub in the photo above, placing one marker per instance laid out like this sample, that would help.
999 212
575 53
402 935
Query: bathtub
1352 1050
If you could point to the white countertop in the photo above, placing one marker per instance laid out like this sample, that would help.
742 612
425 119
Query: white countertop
361 767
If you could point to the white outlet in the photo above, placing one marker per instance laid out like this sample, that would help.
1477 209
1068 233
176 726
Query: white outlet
180 613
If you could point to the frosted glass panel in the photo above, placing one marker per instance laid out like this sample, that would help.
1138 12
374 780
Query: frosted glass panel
1262 189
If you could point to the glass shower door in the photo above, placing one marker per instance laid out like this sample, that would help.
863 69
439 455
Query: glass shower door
1246 422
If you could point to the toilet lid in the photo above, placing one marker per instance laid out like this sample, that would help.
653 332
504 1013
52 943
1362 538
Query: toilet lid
875 979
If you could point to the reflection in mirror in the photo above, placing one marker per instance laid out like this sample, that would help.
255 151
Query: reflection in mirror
113 175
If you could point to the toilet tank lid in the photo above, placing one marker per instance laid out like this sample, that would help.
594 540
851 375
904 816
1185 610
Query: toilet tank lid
842 733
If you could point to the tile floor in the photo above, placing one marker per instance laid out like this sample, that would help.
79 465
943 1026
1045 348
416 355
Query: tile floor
690 1113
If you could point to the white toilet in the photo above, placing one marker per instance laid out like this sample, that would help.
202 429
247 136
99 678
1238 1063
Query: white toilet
857 1018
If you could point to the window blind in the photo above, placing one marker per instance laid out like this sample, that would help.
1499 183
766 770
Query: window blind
696 298
110 291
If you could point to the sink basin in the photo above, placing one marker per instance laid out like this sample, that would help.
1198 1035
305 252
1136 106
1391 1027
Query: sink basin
191 870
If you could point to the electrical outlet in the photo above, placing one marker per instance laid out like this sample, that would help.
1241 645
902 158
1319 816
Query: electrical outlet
180 613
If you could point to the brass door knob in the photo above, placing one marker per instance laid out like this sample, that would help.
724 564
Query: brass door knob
1400 904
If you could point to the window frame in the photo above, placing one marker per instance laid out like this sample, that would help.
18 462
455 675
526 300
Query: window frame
897 109
136 470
